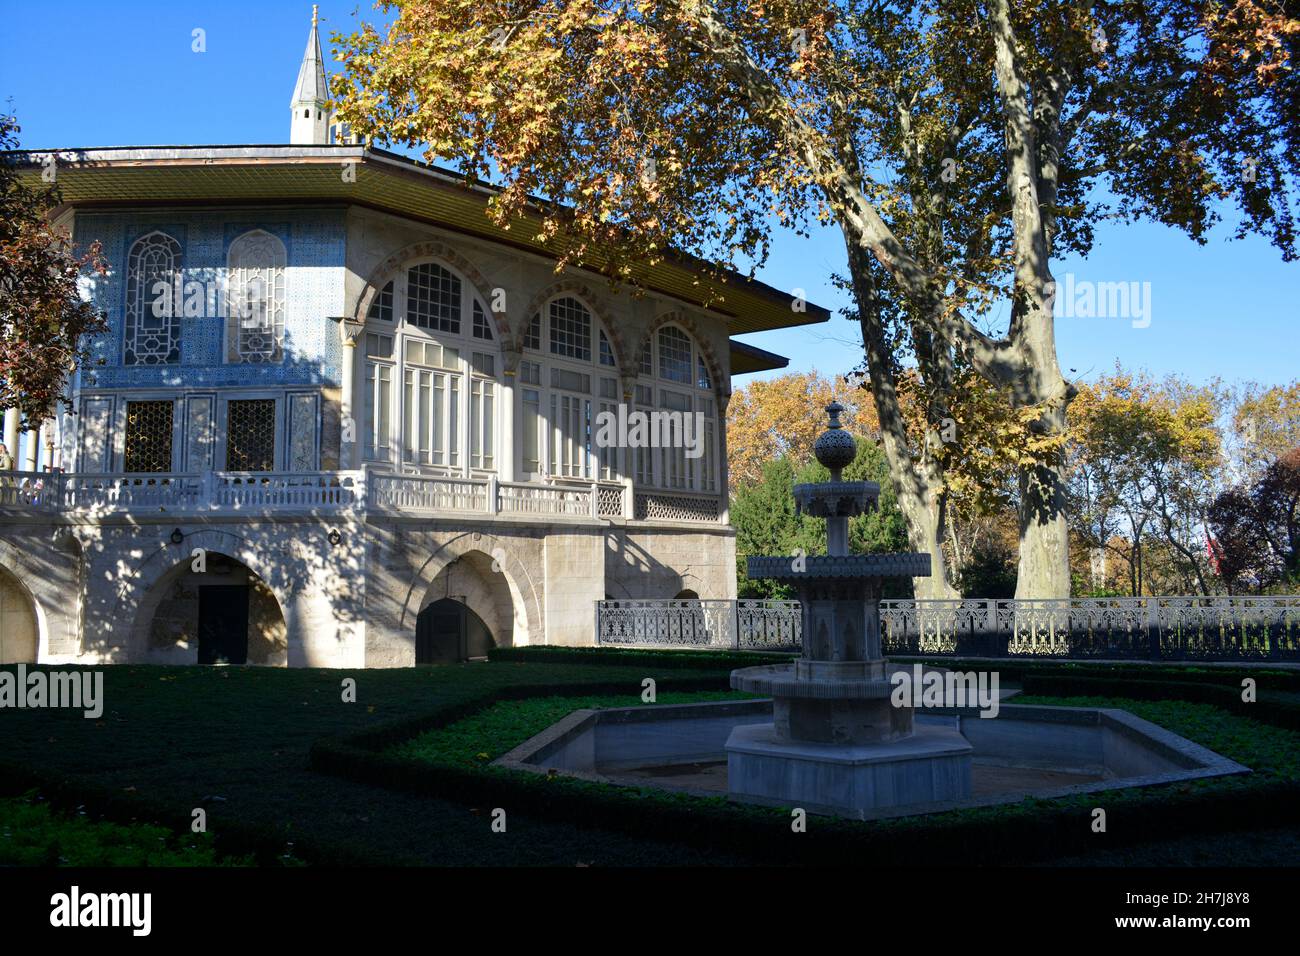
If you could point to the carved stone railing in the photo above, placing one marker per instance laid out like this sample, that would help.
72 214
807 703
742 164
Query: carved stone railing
31 491
288 491
420 494
531 499
745 625
110 493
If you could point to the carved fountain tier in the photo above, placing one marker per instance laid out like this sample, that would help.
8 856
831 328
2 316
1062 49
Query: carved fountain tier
837 743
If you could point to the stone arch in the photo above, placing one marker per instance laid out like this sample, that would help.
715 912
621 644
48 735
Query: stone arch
139 593
392 267
470 582
526 603
595 305
23 634
48 578
721 383
689 582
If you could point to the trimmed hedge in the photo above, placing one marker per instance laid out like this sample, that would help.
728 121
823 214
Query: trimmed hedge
1027 832
1015 669
635 657
1279 713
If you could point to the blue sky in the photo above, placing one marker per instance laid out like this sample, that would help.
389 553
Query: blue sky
98 74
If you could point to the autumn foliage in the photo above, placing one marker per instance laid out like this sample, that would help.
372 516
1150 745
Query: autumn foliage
44 323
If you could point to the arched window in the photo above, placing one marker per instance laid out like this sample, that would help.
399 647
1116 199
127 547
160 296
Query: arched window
152 331
255 268
430 376
568 376
674 383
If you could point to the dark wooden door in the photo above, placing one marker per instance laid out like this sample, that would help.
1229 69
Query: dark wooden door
440 633
223 624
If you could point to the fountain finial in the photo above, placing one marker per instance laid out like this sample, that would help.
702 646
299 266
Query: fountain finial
835 447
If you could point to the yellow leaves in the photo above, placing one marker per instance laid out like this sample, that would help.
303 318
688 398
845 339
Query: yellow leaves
784 415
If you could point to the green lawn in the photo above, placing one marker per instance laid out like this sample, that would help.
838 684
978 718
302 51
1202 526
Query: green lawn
31 834
482 737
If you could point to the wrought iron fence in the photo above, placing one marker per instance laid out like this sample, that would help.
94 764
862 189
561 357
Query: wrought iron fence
1147 628
746 625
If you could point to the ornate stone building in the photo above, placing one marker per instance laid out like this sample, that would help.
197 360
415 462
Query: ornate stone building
341 418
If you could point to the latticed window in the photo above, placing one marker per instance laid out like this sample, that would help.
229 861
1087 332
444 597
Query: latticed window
152 333
606 352
148 446
382 306
255 326
433 298
674 355
570 329
250 434
533 337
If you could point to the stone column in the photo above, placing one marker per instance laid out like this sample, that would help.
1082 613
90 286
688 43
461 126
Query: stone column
46 462
506 400
724 472
349 332
11 433
31 449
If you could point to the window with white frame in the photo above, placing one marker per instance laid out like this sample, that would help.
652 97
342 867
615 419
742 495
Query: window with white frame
430 400
152 330
569 374
675 381
255 268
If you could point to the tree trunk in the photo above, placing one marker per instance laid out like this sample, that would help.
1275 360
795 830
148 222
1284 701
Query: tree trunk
1044 567
922 504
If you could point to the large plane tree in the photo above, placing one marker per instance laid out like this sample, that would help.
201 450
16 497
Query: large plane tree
958 146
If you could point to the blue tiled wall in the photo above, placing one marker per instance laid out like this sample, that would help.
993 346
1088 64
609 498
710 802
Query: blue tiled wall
314 241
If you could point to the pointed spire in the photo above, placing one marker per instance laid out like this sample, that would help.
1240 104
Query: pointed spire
310 123
312 86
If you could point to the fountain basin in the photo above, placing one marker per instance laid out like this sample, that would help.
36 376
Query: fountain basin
1025 751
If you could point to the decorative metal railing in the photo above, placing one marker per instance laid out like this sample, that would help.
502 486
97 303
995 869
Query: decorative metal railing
1148 628
102 494
747 625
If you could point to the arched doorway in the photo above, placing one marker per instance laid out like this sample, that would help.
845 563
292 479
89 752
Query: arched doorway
217 611
19 632
447 632
466 610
